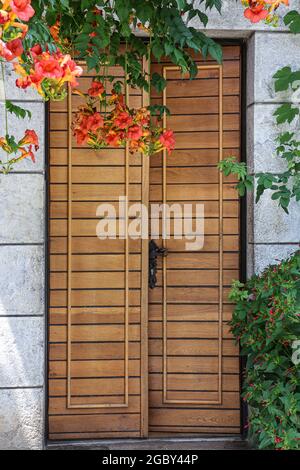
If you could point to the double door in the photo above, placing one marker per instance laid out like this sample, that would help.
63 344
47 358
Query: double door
126 361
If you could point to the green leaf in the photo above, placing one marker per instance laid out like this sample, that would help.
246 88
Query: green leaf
292 19
158 82
17 110
286 113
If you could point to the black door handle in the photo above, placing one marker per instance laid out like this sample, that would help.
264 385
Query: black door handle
154 252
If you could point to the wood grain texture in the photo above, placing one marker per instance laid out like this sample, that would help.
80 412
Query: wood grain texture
98 277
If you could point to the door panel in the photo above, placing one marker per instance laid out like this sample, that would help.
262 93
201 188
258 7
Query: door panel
124 361
193 361
95 378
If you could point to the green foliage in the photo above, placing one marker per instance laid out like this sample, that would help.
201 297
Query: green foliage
266 322
96 30
292 20
17 110
230 166
286 185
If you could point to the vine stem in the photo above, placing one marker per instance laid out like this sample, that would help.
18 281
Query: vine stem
5 109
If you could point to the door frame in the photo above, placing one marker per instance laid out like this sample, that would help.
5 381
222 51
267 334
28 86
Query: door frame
145 251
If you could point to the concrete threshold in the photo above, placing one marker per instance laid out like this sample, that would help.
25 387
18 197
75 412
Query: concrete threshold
203 443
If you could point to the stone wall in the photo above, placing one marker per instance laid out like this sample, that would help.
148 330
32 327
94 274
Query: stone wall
271 234
22 281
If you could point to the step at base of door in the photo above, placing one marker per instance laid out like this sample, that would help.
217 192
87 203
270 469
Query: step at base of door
220 443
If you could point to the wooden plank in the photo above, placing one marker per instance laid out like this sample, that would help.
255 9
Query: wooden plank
93 387
187 330
179 364
94 192
59 174
58 245
91 280
192 157
189 382
99 333
190 418
57 405
199 87
87 210
93 262
192 312
90 297
104 422
94 368
93 351
193 347
88 228
81 157
193 192
200 104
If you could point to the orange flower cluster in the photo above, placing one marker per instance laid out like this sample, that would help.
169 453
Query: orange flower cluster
122 125
48 73
259 10
12 30
25 146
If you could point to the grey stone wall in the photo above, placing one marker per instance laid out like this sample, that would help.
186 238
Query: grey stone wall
22 284
271 234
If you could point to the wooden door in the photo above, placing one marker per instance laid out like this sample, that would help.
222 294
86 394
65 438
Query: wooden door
114 371
193 361
95 351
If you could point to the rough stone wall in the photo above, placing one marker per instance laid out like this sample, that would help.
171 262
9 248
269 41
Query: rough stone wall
22 284
271 234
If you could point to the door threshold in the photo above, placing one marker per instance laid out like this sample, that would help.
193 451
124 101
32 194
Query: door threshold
176 443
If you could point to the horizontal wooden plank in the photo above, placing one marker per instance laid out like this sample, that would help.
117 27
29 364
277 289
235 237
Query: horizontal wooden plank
93 351
193 347
197 105
92 245
185 192
90 386
229 399
199 123
94 174
104 422
199 87
98 297
231 68
185 175
187 330
230 52
192 312
184 140
104 280
190 418
59 436
89 228
230 365
188 295
110 279
94 262
87 156
94 368
88 210
57 405
198 260
189 382
192 157
90 333
94 192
